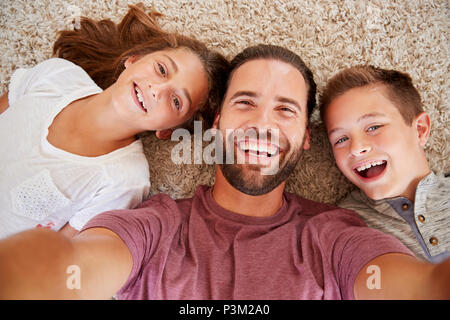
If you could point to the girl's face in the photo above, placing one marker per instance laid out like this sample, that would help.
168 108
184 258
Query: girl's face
160 90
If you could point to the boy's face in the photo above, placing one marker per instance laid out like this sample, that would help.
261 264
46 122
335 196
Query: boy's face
373 146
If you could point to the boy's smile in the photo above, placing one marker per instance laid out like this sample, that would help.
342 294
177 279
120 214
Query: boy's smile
372 144
371 169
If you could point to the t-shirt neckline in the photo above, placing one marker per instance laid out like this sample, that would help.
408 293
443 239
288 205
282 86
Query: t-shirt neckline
48 147
215 208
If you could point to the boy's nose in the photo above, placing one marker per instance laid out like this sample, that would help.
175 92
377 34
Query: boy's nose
359 148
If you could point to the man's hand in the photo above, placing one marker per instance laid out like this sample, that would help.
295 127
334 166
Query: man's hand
399 276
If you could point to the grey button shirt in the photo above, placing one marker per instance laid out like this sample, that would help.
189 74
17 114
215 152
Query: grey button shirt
423 226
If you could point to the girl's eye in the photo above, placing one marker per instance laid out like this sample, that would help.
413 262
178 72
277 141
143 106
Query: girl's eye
176 103
162 70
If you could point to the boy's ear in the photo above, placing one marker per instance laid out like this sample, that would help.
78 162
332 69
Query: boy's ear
164 134
423 126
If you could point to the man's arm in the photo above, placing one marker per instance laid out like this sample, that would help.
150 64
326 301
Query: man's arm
4 102
43 264
399 276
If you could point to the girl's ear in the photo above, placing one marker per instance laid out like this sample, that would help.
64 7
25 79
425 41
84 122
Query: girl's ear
164 134
130 61
423 126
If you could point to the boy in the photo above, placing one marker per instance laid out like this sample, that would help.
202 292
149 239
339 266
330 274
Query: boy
377 129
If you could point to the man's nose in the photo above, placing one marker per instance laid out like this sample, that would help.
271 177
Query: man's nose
262 119
263 124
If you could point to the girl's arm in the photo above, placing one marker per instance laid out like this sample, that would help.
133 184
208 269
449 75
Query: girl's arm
44 264
4 102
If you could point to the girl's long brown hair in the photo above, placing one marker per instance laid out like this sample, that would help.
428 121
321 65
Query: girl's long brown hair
102 47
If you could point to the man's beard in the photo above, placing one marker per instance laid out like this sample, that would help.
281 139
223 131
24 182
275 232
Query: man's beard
249 179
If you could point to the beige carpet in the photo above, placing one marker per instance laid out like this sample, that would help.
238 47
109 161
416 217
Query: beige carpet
411 36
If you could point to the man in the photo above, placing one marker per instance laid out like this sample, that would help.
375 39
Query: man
244 238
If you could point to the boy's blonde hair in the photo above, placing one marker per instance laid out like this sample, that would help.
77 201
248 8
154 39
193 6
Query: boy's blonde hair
398 86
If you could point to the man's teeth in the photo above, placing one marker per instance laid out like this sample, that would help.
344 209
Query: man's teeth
367 166
259 149
140 98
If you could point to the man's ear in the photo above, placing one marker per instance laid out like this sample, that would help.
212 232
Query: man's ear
216 122
423 125
307 139
164 134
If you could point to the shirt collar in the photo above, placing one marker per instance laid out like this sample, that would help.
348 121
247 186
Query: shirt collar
383 205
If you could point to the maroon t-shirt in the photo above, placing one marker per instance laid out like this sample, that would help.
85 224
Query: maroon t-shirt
195 249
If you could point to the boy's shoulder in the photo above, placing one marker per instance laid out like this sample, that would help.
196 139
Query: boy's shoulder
437 189
356 199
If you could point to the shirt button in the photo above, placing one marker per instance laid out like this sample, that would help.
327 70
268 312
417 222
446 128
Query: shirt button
434 241
405 206
421 218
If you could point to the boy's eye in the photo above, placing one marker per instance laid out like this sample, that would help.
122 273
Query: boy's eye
341 140
162 70
373 128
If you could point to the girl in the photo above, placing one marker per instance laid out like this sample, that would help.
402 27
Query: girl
68 126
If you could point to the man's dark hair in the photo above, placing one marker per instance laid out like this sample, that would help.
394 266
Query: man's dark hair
263 51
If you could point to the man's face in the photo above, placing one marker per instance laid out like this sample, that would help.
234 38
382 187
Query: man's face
263 122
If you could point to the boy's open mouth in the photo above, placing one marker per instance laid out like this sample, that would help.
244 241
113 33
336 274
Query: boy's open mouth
371 169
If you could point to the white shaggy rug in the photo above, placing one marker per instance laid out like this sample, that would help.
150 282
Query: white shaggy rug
411 36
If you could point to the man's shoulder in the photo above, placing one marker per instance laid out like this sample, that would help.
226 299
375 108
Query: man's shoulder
170 202
327 219
313 208
356 199
160 201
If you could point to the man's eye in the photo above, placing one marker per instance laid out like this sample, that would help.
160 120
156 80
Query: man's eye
162 70
243 104
287 109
